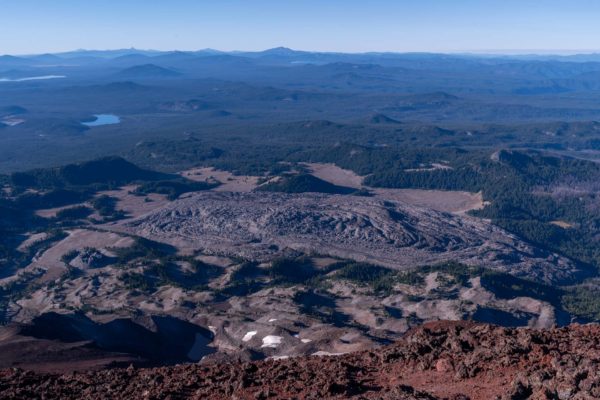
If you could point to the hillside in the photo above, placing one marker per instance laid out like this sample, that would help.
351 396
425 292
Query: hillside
303 183
441 360
113 170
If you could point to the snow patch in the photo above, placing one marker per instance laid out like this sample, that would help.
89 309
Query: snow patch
278 358
249 336
271 341
326 353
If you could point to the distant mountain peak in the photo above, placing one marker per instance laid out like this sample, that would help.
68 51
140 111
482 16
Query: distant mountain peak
280 51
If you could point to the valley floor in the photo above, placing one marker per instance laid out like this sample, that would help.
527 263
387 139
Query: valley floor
250 275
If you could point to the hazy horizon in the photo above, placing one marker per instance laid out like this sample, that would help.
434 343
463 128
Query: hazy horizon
485 52
352 26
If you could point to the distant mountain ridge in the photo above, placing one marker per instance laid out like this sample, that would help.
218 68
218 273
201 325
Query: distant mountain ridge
283 51
148 71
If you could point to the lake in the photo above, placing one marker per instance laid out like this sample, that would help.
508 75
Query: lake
103 119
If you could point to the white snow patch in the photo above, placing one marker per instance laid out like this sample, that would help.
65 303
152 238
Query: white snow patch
249 336
326 353
273 320
271 341
278 358
213 329
297 336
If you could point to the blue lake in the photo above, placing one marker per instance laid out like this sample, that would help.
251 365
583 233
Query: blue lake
103 119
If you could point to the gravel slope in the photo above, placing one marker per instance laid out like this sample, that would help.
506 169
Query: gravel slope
442 360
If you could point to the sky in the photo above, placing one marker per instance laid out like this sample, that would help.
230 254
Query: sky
509 26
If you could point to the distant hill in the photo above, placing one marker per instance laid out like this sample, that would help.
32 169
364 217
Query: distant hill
148 71
12 110
303 183
220 113
279 51
172 155
219 61
432 131
128 60
175 56
381 119
7 60
47 58
108 170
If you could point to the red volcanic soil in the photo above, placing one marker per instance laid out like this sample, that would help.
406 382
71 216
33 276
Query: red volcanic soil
441 360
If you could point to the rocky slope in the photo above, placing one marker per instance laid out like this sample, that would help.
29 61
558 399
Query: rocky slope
441 360
391 233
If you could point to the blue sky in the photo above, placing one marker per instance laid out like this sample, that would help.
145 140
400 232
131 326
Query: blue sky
39 26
